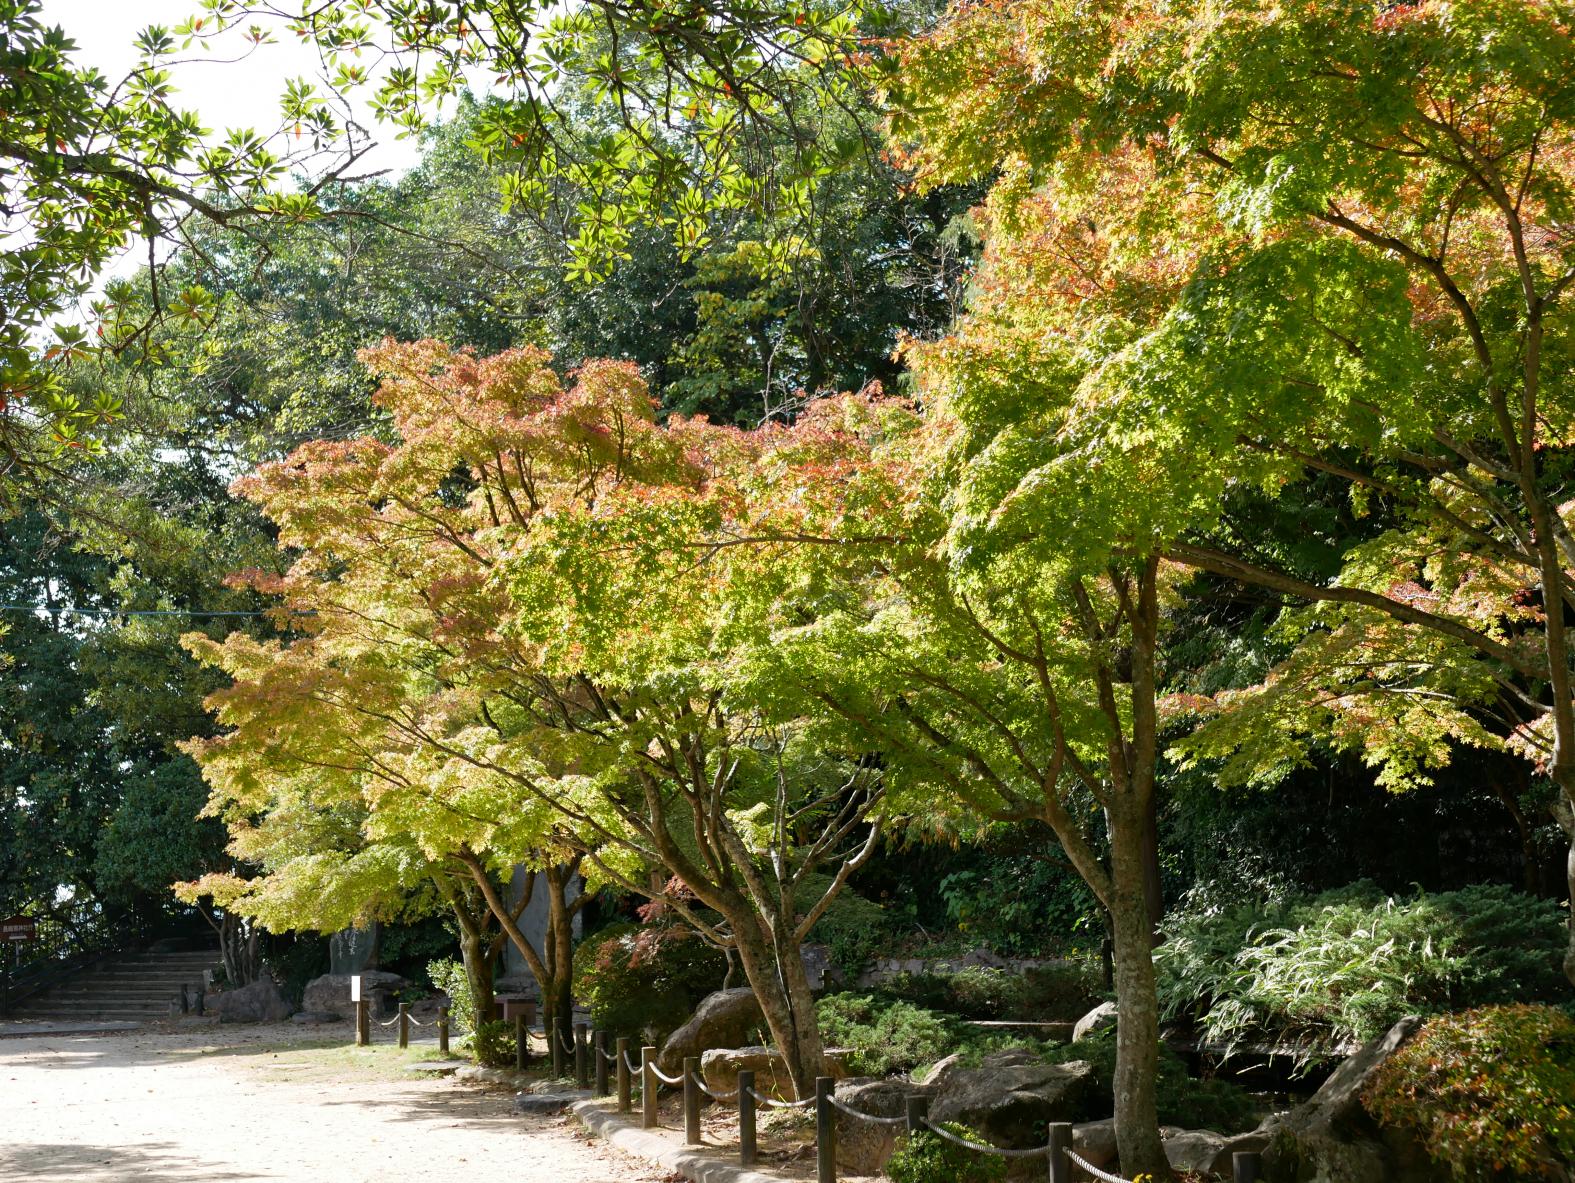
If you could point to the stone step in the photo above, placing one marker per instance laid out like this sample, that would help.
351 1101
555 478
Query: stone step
90 1012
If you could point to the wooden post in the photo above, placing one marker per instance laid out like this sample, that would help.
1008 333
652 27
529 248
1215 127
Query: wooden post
1060 1143
621 1071
521 1041
1245 1165
916 1109
599 1052
648 1114
363 1023
746 1117
692 1100
582 1065
443 1030
825 1131
404 1024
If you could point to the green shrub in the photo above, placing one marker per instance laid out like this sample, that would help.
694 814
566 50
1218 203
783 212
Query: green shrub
448 977
492 1043
1345 965
926 1157
1490 1093
886 1035
853 929
1019 902
643 981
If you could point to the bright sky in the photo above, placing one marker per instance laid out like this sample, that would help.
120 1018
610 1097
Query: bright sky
225 95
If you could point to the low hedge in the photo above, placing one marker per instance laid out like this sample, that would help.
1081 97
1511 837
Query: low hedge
1489 1093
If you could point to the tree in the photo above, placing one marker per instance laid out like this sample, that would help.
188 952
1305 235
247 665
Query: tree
1323 238
92 167
507 601
710 112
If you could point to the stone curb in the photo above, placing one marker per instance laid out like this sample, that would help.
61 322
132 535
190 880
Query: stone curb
626 1134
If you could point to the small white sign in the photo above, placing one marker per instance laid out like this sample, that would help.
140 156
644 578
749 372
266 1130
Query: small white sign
355 987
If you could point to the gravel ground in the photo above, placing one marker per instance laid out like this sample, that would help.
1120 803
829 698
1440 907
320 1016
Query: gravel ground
205 1104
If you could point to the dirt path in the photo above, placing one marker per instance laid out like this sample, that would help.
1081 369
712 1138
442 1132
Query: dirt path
265 1104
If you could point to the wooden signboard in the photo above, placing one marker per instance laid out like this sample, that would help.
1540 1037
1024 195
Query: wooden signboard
18 928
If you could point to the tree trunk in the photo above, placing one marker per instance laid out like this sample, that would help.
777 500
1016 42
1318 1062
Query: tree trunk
784 998
239 949
1564 811
557 990
1137 1020
479 957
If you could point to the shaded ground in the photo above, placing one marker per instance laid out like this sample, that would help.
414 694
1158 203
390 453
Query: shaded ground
217 1105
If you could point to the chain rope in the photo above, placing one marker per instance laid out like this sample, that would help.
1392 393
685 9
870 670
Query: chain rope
1036 1152
1103 1176
724 1098
869 1117
773 1103
664 1078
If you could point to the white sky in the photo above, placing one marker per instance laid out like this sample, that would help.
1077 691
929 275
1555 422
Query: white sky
225 95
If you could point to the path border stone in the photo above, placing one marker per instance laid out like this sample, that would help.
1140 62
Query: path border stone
625 1133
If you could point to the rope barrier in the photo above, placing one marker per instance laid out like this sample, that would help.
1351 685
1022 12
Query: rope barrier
869 1117
631 1063
390 1022
773 1103
1036 1152
664 1078
415 1022
724 1098
1077 1160
610 1057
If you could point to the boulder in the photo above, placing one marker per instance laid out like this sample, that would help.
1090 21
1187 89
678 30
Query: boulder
260 1002
1012 1096
330 994
728 1018
720 1066
1101 1018
864 1146
1330 1138
1204 1152
1095 1141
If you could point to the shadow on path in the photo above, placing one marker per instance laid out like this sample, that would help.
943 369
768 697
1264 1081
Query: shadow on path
148 1162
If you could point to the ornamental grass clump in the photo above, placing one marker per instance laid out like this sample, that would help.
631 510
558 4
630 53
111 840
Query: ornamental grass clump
1490 1093
1321 974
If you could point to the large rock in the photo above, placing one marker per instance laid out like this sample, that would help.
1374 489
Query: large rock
1330 1138
1203 1152
1095 1141
728 1018
330 994
260 1002
1012 1095
1101 1018
864 1146
720 1066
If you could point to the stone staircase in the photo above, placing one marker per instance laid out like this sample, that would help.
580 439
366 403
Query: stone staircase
134 987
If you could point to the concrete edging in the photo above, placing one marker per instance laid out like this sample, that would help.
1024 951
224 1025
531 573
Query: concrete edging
696 1166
